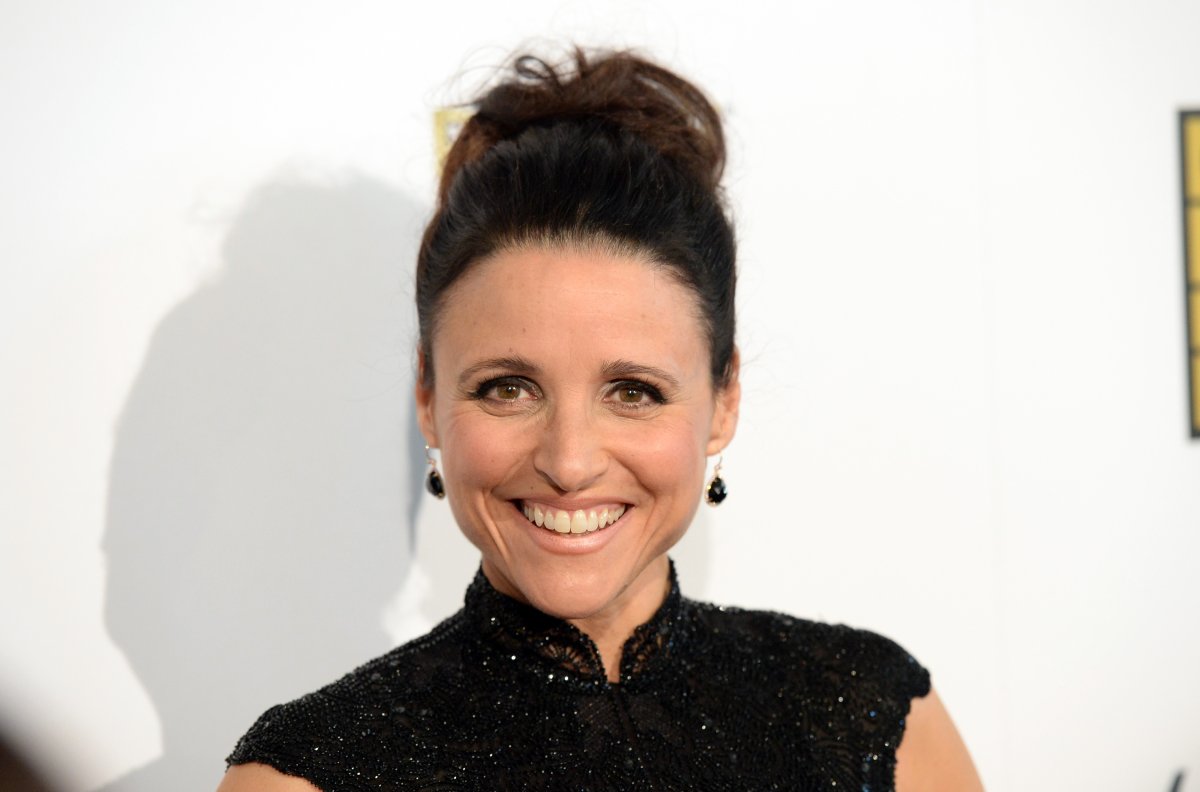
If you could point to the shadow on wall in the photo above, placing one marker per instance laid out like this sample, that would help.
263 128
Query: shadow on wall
16 773
267 470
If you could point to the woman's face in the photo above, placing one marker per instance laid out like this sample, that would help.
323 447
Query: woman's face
572 388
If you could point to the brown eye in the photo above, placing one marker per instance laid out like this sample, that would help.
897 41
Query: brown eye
507 391
633 395
630 395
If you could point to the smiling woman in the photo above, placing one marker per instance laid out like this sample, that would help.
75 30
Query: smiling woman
576 368
606 416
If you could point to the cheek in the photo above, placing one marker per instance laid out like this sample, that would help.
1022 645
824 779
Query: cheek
478 454
669 459
479 450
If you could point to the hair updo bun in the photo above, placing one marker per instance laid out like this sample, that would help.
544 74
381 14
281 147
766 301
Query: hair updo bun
611 150
622 89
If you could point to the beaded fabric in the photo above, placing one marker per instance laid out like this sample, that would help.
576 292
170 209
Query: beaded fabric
503 697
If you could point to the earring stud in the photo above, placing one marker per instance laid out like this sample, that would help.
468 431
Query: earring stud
716 491
433 481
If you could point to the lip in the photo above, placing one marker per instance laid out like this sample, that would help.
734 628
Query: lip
571 544
571 505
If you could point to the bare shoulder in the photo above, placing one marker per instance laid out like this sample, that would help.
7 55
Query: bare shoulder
255 777
932 756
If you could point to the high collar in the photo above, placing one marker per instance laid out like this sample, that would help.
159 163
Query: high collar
533 640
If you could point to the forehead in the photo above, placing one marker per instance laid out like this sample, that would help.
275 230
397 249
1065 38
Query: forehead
577 303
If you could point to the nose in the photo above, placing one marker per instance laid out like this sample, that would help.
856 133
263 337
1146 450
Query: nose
570 453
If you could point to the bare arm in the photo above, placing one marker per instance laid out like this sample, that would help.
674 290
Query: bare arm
261 778
932 756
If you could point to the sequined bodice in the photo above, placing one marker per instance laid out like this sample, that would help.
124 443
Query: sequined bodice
503 697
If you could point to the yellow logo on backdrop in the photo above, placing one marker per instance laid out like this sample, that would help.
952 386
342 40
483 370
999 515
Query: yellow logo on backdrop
447 123
1190 134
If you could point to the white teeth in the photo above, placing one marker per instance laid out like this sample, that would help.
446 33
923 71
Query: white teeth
576 522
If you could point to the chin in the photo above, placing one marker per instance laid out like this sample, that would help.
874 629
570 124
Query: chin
610 572
586 588
572 591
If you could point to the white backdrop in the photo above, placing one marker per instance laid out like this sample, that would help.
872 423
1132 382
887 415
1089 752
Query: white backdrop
964 422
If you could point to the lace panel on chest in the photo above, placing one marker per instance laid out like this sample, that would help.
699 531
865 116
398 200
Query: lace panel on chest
522 631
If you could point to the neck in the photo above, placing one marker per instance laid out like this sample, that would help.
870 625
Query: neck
611 628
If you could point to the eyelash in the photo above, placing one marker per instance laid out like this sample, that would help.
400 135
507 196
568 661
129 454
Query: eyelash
652 393
485 388
483 391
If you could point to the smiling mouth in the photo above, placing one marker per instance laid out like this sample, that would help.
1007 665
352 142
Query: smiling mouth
571 522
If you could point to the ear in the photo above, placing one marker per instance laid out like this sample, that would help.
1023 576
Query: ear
424 400
725 413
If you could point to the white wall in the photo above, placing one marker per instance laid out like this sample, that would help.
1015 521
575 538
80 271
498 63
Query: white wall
964 421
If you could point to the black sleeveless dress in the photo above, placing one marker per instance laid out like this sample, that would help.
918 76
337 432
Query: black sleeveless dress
503 697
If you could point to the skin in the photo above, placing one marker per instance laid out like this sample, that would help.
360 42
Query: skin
579 378
932 756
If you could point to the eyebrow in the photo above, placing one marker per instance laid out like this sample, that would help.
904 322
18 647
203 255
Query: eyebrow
613 369
617 369
511 363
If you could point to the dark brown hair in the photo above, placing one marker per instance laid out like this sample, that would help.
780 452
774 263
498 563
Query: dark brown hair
608 149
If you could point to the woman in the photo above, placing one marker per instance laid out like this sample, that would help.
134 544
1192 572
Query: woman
577 367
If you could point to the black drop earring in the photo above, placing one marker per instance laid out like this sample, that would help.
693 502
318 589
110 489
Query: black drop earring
716 491
433 481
